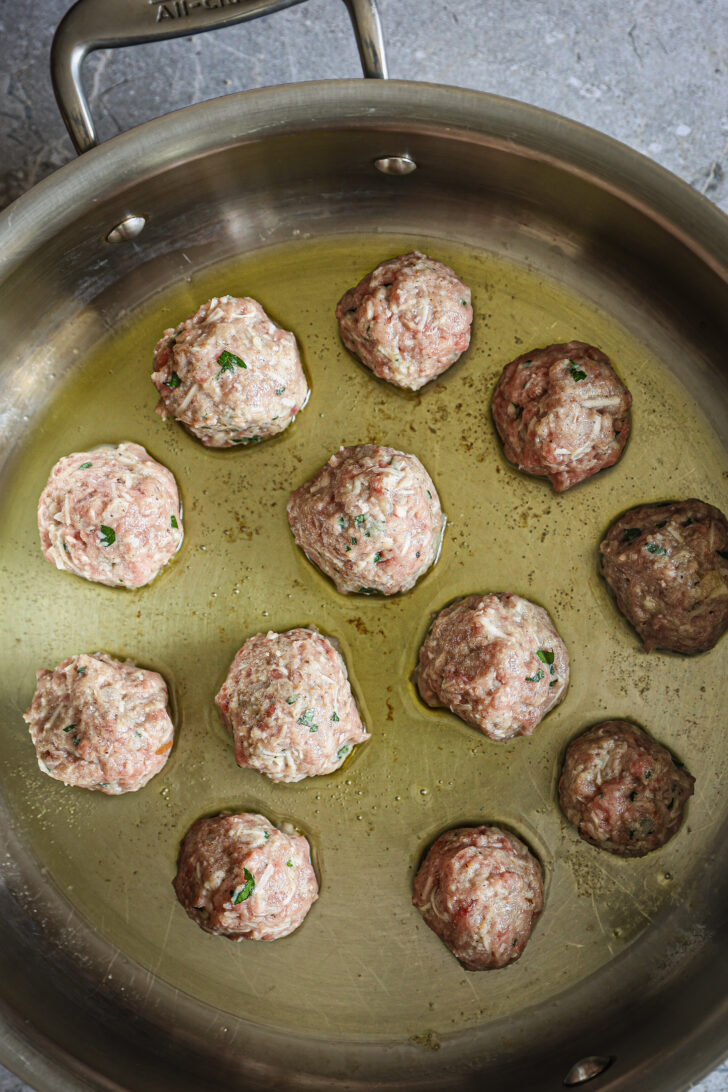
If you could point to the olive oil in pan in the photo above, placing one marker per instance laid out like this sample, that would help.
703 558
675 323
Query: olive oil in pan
363 957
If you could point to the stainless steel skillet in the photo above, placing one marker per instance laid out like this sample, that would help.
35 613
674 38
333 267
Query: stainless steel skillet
555 226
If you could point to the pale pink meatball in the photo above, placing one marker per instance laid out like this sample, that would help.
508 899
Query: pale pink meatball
100 724
481 891
496 661
111 515
562 413
370 519
408 320
288 705
623 791
667 565
240 877
229 374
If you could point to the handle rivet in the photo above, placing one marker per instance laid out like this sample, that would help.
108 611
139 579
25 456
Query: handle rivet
395 164
586 1070
127 229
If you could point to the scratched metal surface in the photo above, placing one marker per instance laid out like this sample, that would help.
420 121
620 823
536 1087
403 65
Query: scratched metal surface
363 967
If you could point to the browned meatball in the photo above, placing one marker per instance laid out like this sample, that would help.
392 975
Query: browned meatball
496 661
100 724
111 515
623 791
370 519
562 413
240 877
229 374
481 891
288 705
408 320
667 565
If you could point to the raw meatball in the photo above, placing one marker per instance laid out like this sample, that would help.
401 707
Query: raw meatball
111 515
496 661
562 413
370 519
240 877
100 724
229 374
288 705
667 565
481 891
408 320
623 791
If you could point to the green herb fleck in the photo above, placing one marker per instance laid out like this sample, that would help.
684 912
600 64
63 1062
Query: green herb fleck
648 775
352 542
70 728
655 548
576 373
240 894
306 718
76 741
553 682
229 362
292 700
537 677
173 381
80 670
631 533
174 523
342 522
84 466
377 558
280 390
368 591
171 343
108 535
545 655
290 864
343 751
359 520
723 554
347 549
335 717
514 942
266 834
429 494
463 303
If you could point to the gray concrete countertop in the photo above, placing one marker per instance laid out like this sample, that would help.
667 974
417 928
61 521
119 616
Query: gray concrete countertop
652 73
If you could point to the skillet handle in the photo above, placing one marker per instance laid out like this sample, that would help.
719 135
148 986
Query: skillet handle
98 24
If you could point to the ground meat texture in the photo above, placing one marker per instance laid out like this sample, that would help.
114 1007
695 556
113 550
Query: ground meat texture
229 374
496 661
100 724
481 891
288 705
562 413
623 791
240 877
667 565
370 519
408 320
111 515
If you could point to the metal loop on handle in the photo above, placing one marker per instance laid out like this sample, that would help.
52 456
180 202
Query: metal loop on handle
97 24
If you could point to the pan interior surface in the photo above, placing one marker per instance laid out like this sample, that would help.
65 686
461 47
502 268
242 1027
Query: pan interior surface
364 968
